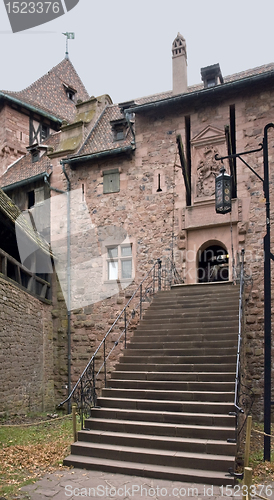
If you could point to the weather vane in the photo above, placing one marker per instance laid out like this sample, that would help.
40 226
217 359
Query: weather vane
70 36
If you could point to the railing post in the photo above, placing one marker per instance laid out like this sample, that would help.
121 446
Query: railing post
93 382
81 406
125 328
247 483
247 441
159 274
74 422
105 364
141 300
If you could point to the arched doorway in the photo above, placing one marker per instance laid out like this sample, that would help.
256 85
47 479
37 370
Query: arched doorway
213 263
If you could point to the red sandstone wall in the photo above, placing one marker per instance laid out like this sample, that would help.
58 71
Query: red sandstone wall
14 136
26 355
147 215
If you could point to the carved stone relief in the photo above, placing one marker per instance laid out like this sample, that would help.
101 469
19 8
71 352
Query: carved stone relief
207 169
209 142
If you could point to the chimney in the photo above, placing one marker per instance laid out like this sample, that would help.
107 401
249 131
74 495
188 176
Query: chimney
179 65
212 75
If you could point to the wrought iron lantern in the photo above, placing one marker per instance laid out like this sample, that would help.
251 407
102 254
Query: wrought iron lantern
223 192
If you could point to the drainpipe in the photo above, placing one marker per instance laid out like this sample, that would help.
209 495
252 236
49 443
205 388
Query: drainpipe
68 272
68 283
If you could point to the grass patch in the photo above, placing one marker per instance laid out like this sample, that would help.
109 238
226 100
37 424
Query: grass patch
29 451
262 471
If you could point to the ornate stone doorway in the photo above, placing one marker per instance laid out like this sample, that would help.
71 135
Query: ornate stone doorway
213 264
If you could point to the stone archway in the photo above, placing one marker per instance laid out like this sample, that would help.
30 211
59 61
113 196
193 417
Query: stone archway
212 263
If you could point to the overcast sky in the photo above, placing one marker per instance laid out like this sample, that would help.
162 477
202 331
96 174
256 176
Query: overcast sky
123 48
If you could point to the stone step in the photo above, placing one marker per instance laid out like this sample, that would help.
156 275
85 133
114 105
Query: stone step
140 455
183 344
198 292
217 287
180 360
162 429
166 405
196 296
192 335
151 471
171 395
194 376
206 301
163 416
187 367
185 323
183 313
173 385
194 445
180 328
203 300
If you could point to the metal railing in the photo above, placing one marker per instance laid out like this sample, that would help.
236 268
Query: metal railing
94 377
243 396
31 282
238 363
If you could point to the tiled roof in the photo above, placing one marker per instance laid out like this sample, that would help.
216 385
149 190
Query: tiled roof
48 93
199 86
24 169
101 137
12 212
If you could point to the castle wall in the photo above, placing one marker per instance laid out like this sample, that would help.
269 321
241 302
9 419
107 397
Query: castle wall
14 136
26 368
154 219
144 216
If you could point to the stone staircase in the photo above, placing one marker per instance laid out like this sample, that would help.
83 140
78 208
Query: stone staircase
165 413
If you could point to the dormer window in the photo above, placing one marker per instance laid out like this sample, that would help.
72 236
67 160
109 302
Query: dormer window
36 150
70 92
120 134
211 82
119 128
211 76
70 95
35 155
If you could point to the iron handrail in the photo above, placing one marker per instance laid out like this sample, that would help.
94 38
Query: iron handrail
238 363
84 391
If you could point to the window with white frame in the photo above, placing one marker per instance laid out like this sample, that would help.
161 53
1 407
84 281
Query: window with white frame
119 262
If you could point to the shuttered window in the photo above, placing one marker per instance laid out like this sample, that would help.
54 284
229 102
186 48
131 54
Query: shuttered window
111 181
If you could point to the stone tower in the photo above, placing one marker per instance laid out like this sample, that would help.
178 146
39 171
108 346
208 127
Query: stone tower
179 65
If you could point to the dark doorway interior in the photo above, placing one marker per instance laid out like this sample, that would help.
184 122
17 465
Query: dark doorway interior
213 264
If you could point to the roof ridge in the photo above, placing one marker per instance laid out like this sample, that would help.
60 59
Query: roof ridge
48 73
93 129
253 70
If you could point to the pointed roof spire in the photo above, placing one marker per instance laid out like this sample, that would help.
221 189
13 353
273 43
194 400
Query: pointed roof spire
70 36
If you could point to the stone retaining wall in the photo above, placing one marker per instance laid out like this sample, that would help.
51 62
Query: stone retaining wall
26 355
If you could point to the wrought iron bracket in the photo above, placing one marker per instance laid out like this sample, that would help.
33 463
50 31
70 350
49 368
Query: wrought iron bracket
239 155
